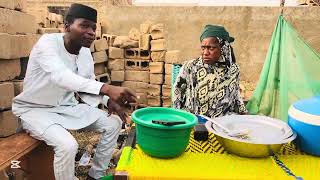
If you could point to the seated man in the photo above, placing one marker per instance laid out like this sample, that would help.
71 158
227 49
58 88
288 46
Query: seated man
209 85
61 65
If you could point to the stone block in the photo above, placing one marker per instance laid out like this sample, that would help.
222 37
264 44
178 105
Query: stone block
14 22
136 53
168 69
141 76
20 5
173 57
110 38
158 56
8 4
154 90
48 30
156 67
166 101
166 90
154 101
100 44
8 123
156 78
10 69
99 68
139 87
16 46
116 53
116 64
134 34
7 94
145 27
144 41
18 87
99 57
158 45
167 79
157 31
139 65
117 76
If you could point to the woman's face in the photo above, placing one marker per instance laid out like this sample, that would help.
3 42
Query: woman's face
210 50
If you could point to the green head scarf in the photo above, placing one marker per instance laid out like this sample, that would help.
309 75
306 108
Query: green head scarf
216 31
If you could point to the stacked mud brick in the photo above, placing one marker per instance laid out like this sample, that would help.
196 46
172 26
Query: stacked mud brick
99 49
17 37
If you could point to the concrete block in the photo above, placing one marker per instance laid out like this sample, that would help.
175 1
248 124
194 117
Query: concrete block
99 57
59 18
168 69
18 87
99 68
105 78
116 64
117 76
145 27
167 79
156 78
23 66
154 101
166 101
144 41
166 90
48 30
158 56
156 67
157 31
110 38
92 47
141 76
10 69
8 123
100 44
143 98
139 87
99 31
139 65
7 94
158 45
154 90
136 53
14 22
173 57
125 42
16 46
20 5
8 4
116 53
134 34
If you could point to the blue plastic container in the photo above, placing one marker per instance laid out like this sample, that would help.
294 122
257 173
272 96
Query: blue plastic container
304 119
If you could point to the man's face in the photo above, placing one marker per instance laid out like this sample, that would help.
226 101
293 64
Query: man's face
82 32
210 50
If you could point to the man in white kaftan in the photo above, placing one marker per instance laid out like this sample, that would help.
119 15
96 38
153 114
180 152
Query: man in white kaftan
59 66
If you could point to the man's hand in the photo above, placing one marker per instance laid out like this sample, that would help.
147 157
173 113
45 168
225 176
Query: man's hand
114 107
121 95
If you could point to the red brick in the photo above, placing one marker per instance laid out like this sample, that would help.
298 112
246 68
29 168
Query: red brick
7 94
8 123
9 69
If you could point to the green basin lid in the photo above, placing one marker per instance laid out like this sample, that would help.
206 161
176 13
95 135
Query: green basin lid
145 116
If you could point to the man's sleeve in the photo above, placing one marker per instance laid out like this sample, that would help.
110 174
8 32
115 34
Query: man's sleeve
46 54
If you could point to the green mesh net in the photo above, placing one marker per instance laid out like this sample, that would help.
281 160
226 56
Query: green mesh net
291 72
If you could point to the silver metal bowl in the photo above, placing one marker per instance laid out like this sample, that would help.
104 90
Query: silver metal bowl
245 148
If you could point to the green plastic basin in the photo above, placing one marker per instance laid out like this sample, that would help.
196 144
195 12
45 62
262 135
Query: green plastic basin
159 140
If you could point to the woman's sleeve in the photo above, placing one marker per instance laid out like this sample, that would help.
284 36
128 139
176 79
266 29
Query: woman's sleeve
179 88
239 106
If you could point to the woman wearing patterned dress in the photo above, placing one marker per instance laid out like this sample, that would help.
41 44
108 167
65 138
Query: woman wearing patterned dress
209 85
